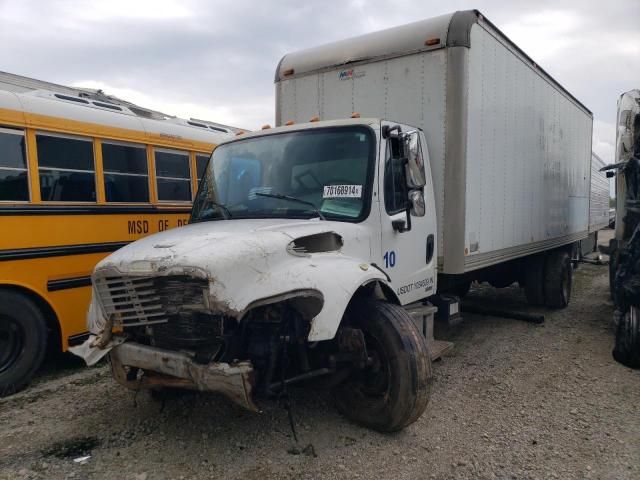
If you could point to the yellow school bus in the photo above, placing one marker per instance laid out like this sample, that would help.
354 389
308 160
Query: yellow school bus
81 175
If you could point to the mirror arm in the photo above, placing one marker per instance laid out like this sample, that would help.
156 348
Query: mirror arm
408 229
402 226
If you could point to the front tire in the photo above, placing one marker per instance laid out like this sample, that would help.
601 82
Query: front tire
613 266
394 391
23 341
627 348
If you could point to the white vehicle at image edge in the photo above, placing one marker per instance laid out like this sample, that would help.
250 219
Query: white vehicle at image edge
624 248
318 249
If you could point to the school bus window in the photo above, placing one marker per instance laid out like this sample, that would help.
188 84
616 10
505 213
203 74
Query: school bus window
126 178
201 164
14 183
66 169
173 176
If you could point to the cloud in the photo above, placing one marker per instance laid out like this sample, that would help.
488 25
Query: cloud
604 140
216 59
546 34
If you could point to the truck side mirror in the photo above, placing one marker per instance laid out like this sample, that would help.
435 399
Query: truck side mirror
416 200
415 160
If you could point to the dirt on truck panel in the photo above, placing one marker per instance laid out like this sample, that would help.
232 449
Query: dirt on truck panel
512 400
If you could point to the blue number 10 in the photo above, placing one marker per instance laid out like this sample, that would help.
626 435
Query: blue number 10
389 259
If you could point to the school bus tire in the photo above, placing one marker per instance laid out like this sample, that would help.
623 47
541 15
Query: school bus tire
23 341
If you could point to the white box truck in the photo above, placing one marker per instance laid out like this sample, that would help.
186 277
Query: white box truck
313 247
509 148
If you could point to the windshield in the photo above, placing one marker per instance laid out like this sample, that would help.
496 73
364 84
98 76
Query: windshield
323 173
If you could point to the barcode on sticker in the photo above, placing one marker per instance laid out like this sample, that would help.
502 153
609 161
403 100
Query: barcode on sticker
342 191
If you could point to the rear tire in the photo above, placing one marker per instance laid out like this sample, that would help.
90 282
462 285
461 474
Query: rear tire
558 279
534 280
613 266
394 391
23 341
627 348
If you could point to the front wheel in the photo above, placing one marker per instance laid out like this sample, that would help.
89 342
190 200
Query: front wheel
627 348
613 266
393 391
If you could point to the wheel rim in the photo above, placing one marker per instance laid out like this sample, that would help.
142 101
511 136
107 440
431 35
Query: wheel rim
374 379
11 342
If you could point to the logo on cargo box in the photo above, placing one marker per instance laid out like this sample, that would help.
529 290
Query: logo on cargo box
349 74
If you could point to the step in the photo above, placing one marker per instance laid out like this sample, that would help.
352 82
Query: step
423 317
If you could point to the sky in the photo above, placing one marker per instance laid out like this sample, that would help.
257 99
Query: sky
216 60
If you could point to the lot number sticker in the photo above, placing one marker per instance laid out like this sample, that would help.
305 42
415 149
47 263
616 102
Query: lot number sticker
342 191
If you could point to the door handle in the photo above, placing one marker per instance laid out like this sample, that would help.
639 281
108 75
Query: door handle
430 247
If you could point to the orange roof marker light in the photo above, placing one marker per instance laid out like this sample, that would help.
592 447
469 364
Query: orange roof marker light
432 41
288 72
241 132
355 115
314 119
289 123
265 127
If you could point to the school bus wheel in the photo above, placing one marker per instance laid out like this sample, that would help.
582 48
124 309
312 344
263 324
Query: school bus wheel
23 341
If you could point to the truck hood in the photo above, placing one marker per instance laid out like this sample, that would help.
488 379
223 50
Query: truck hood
252 261
217 246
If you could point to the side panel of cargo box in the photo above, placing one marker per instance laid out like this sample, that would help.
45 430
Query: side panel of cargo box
599 198
528 151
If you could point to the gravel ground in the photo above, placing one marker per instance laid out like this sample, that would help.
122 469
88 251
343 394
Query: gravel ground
513 400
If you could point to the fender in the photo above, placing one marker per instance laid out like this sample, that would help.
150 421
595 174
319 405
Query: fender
336 278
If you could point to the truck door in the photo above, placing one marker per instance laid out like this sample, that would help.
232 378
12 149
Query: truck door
409 256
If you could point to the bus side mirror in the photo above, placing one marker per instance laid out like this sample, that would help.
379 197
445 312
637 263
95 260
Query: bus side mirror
610 174
415 161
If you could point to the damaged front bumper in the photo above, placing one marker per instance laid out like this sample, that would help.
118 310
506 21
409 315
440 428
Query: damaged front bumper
176 369
163 368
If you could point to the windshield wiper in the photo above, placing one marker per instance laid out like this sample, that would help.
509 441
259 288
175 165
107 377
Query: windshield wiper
226 214
292 199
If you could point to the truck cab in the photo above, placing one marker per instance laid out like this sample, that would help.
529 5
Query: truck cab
624 248
304 243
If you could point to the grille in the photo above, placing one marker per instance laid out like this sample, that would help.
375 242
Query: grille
193 331
140 301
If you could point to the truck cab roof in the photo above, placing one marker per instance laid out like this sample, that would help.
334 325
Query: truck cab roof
307 126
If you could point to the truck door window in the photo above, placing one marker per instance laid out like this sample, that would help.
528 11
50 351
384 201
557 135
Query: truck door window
395 184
